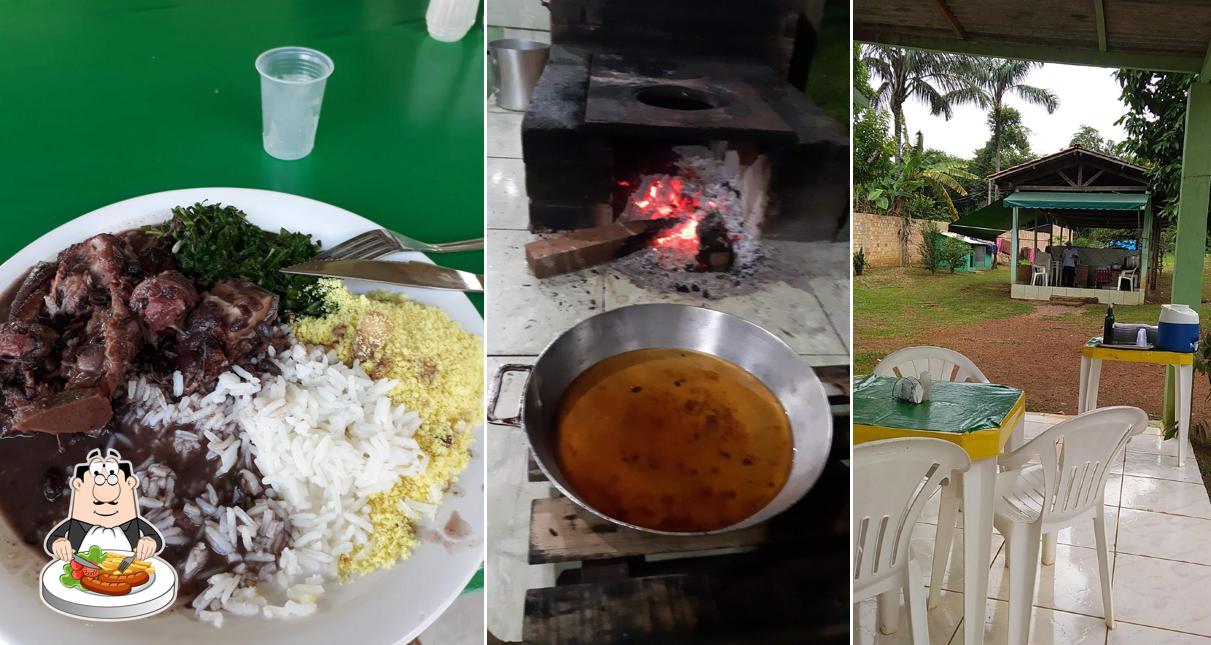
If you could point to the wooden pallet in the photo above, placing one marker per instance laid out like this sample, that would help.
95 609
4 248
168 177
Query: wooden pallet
784 581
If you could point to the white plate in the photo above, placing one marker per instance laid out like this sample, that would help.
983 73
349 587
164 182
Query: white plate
385 607
147 599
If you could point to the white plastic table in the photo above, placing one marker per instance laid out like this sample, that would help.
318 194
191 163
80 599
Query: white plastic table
1092 355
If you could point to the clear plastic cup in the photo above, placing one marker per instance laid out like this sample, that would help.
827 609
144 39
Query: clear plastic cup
292 90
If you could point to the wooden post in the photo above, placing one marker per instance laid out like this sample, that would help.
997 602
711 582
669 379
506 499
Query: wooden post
1145 247
1013 252
1035 223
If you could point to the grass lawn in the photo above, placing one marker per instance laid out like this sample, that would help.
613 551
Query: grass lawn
897 302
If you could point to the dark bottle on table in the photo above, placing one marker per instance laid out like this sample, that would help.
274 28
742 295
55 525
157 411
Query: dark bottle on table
1108 327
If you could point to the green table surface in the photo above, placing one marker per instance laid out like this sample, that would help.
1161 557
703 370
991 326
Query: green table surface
102 101
953 407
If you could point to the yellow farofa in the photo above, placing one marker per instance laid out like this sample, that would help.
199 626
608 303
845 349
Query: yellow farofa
439 367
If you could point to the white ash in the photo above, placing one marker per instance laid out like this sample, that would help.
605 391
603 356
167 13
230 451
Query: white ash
781 261
713 182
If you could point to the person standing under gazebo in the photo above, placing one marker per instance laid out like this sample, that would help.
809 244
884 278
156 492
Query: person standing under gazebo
1068 256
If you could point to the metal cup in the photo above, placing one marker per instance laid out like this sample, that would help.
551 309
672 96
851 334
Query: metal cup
516 66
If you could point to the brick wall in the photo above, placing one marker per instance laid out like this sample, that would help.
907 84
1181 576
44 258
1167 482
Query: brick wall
879 237
1026 238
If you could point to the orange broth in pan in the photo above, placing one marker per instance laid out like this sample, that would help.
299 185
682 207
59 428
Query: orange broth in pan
673 440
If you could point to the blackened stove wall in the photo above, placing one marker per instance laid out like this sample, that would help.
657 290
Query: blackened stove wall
773 32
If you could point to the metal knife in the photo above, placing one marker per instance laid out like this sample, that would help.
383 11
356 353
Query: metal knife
409 274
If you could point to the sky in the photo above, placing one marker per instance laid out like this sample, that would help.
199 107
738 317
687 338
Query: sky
1088 96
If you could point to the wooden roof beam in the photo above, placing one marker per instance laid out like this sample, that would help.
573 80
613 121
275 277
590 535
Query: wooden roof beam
1080 189
949 15
895 36
1099 13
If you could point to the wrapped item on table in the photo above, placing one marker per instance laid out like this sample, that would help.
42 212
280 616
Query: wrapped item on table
912 389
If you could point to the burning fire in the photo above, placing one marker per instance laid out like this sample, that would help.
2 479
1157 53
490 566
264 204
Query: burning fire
668 199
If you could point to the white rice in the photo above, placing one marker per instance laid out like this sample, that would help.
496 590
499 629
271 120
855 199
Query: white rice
325 438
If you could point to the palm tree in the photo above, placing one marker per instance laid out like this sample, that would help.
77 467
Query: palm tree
993 79
921 173
934 78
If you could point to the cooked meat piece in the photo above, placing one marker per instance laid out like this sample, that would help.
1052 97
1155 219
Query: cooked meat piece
100 356
31 295
121 333
93 272
82 365
231 322
244 306
21 384
70 294
68 411
163 300
152 254
26 341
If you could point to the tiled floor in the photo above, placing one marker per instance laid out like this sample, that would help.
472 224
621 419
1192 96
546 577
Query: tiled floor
811 314
1158 518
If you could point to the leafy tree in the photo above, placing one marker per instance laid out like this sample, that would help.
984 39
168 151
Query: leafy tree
1015 149
921 174
1089 138
992 80
1155 123
930 246
931 77
862 90
873 149
952 252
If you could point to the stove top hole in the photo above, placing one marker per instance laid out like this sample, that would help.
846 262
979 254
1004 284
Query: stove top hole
672 97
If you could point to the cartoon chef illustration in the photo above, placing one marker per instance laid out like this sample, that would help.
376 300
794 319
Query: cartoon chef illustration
104 512
128 582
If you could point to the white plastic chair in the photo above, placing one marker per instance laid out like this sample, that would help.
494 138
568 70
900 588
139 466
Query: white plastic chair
1130 276
1036 273
892 481
1066 486
945 365
941 363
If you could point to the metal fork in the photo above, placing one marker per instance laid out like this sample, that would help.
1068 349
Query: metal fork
380 242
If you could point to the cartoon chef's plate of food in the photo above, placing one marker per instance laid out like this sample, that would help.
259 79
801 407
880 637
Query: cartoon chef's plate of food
105 565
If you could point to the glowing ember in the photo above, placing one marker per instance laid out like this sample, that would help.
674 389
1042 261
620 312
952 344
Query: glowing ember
684 233
707 231
665 199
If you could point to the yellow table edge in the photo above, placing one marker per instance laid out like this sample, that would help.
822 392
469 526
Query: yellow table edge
981 444
1156 357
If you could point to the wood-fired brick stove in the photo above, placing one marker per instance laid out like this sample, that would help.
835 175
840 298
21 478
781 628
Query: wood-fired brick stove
629 80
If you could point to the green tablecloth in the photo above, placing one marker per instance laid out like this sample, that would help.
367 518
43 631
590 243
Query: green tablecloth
104 101
953 407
